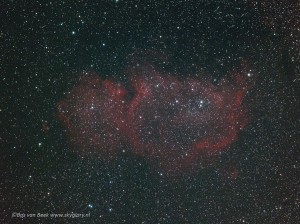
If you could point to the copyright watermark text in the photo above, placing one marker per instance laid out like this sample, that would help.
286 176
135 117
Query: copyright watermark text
50 215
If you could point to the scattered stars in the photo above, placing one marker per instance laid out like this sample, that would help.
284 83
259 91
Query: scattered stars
30 179
152 175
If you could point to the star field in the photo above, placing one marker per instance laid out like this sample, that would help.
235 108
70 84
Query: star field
106 106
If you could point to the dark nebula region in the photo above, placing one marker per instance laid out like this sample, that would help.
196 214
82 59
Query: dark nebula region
176 124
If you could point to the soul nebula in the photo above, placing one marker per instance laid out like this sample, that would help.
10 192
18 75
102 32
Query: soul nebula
171 122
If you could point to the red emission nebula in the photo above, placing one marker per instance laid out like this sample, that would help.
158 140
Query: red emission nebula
175 124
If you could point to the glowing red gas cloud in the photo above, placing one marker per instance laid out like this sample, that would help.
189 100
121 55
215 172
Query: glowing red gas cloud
173 123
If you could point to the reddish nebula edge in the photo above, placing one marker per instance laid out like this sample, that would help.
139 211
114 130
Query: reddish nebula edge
173 123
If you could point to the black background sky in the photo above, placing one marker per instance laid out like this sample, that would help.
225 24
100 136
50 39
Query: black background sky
43 46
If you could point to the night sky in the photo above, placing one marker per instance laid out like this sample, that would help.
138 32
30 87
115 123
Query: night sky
150 111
